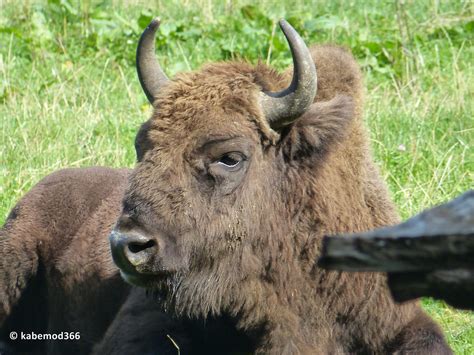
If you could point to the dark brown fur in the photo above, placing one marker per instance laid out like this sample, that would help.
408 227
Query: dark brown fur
56 272
248 249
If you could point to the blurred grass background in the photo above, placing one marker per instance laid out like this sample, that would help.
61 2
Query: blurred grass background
69 95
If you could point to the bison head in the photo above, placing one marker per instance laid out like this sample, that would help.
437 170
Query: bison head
213 203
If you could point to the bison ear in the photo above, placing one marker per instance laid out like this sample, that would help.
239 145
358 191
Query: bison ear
142 141
318 130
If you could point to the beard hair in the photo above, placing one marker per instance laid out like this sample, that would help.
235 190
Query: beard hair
195 295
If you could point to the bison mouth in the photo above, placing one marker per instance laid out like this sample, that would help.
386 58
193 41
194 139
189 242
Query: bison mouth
145 280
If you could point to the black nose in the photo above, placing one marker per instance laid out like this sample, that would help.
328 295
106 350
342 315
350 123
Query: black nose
132 252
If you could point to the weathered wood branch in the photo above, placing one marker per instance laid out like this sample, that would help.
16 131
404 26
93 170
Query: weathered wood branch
431 254
455 286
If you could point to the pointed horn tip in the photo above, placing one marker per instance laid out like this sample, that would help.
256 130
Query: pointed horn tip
284 25
154 24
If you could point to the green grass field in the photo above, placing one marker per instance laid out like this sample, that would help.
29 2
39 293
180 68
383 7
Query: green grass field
69 95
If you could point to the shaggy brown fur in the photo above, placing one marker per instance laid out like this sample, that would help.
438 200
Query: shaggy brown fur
56 272
243 244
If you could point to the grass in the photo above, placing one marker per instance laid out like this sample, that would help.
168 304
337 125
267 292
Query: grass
69 95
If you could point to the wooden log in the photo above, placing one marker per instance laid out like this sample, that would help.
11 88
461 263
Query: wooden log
455 286
431 254
440 238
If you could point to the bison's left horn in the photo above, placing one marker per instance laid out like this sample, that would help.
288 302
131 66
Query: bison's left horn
283 107
151 77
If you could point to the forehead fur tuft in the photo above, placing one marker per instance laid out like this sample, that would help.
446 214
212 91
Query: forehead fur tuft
217 91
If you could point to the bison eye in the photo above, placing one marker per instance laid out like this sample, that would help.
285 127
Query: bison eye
226 166
231 161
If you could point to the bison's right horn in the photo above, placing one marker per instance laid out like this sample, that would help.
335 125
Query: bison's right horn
283 107
151 77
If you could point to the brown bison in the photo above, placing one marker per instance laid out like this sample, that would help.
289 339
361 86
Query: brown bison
237 180
240 173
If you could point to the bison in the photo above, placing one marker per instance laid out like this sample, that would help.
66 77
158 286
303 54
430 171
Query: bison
241 171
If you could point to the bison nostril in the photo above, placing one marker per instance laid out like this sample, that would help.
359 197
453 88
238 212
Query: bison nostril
133 252
135 247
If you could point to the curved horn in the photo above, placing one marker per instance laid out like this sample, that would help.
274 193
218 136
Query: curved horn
283 107
151 77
